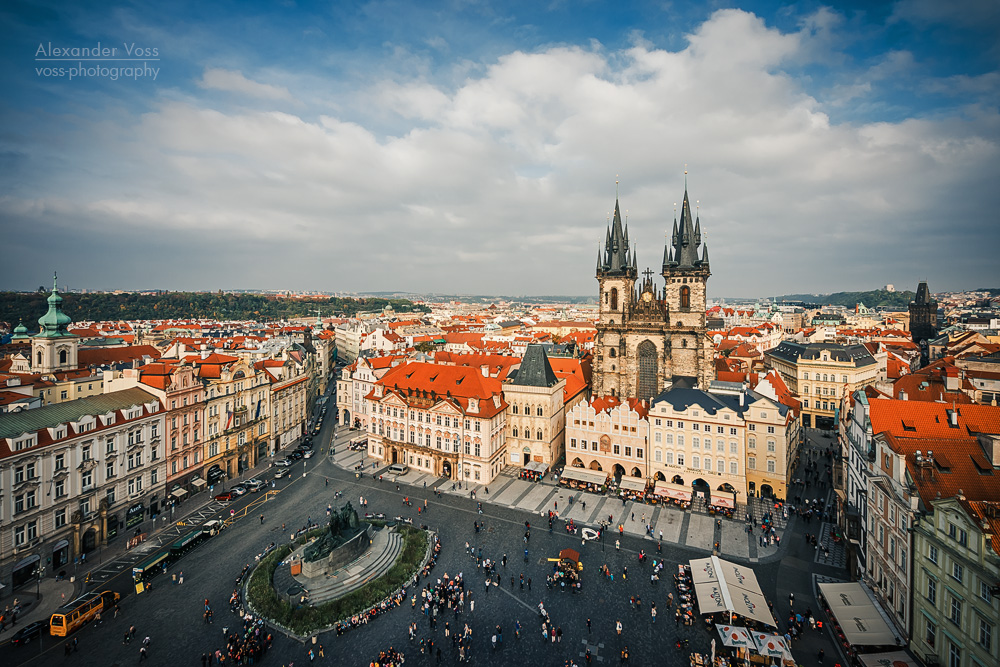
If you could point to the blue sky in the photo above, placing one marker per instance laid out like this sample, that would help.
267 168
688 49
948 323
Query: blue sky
474 147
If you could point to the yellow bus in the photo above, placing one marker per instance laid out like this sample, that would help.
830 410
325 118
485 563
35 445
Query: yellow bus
72 615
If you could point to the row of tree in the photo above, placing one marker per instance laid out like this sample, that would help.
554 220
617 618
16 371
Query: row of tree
18 306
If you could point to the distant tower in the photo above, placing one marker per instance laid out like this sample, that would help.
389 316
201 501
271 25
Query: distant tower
923 320
54 348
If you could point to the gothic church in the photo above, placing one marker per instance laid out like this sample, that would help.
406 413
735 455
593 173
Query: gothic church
650 338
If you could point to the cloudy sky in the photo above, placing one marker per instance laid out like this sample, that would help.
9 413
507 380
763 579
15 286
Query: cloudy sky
473 147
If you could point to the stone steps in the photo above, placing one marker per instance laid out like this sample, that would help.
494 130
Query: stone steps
380 557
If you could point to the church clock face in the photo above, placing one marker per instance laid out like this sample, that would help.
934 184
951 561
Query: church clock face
647 296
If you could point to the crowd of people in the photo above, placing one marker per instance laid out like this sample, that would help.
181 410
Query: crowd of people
388 658
246 644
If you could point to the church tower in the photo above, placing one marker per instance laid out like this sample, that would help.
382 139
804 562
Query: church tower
54 348
923 320
686 275
648 337
616 276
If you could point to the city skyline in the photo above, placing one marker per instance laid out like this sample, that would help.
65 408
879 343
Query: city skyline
465 147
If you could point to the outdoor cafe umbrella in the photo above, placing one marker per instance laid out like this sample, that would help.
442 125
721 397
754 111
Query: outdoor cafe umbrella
735 636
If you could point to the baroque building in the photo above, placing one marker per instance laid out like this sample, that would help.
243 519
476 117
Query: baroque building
650 337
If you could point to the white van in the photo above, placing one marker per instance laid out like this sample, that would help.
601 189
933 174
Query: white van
399 469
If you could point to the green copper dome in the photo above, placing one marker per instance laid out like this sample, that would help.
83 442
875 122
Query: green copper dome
20 329
54 322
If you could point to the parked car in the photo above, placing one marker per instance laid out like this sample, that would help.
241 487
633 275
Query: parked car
225 497
294 456
283 463
254 485
238 490
29 632
282 472
308 454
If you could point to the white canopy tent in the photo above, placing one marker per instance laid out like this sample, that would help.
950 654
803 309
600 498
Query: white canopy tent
859 619
721 585
893 659
735 636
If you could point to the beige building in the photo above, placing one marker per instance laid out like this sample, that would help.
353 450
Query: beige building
75 476
819 374
446 420
536 420
609 435
727 439
237 415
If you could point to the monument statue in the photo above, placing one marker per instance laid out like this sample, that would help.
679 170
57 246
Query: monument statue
343 526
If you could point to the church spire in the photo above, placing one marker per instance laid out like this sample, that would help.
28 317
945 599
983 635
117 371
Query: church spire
617 258
688 236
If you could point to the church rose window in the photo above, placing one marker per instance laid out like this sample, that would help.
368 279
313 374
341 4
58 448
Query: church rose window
646 383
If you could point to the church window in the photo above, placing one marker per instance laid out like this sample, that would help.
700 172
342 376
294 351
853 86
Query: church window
538 411
685 296
684 343
62 356
646 353
514 408
614 298
539 434
515 432
612 353
38 357
527 409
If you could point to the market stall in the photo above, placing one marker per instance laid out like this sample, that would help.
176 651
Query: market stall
721 585
566 571
534 471
675 493
858 621
722 502
584 479
632 488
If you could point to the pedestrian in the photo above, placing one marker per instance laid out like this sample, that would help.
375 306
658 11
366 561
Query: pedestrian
180 578
652 612
142 653
173 578
618 627
529 583
819 657
588 626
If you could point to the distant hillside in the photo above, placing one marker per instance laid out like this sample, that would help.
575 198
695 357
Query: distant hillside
28 308
879 298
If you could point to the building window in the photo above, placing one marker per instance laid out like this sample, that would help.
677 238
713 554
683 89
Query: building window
59 488
680 459
696 461
984 592
617 449
733 468
751 463
957 572
658 437
770 465
110 496
932 592
956 611
985 635
628 451
954 656
658 455
932 554
770 445
60 518
930 633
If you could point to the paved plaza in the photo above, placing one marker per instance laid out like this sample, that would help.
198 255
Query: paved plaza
172 615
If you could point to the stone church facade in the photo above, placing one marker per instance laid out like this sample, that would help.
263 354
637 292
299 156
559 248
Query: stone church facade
651 337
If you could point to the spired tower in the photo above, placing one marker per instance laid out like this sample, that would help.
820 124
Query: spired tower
54 348
649 337
923 320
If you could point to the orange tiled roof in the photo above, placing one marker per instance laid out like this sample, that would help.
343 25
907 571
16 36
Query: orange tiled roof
922 419
456 384
606 403
115 355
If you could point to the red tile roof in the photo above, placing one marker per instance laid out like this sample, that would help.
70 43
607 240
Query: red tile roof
930 420
454 384
115 355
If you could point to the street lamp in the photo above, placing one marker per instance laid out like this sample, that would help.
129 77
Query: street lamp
38 580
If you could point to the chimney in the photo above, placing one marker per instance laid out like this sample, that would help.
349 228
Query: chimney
902 395
742 398
951 382
204 351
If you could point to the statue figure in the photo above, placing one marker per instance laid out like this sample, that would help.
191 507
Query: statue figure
342 522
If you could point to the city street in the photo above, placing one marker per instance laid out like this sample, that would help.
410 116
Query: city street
172 615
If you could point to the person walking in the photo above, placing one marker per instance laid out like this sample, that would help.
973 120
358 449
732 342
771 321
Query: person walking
652 612
142 653
618 627
588 626
180 578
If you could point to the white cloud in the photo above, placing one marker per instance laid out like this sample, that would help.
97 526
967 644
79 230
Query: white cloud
216 78
502 183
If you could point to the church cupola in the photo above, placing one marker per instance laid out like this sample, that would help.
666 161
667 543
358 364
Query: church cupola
54 348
